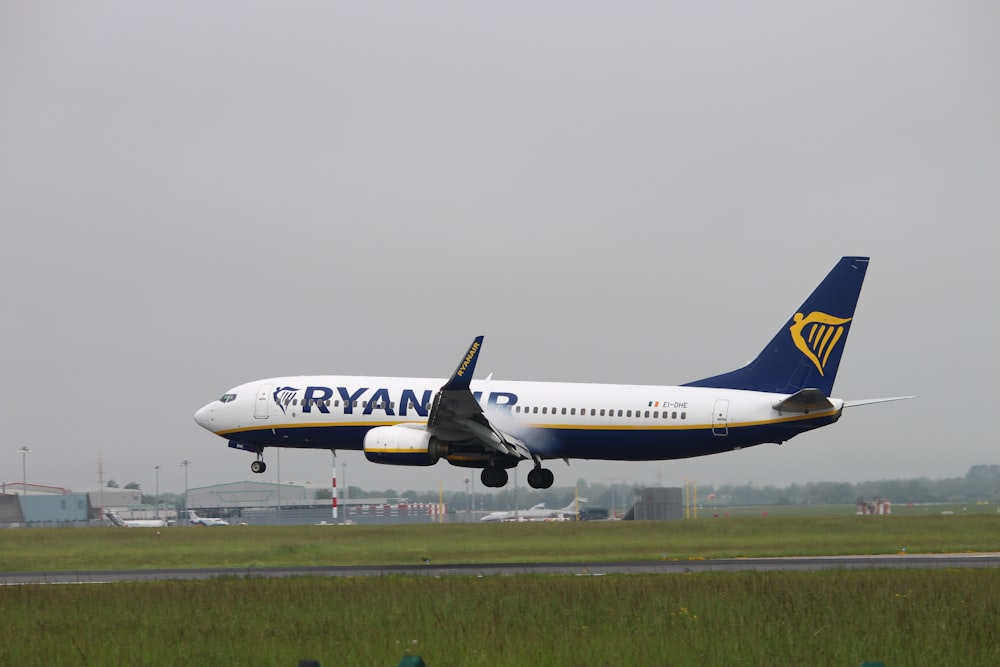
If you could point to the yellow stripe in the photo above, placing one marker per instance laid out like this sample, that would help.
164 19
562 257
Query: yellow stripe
564 427
680 427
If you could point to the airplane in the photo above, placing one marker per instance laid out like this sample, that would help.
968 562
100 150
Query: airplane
205 520
536 513
495 424
134 523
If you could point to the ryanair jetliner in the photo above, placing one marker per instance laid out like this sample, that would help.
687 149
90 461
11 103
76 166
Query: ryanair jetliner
494 425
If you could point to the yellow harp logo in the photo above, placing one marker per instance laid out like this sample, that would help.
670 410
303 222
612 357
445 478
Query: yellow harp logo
816 335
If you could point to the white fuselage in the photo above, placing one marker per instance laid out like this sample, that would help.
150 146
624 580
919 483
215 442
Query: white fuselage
556 419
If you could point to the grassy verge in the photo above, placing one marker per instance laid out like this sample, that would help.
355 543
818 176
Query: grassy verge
826 618
250 546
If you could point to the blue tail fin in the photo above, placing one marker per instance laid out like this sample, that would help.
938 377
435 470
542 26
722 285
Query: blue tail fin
806 351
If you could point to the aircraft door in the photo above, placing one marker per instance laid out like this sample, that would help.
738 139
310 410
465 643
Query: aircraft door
720 418
261 402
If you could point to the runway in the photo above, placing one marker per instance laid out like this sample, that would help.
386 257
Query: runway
800 564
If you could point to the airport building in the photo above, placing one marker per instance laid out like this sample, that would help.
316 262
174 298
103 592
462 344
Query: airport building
45 510
295 503
657 504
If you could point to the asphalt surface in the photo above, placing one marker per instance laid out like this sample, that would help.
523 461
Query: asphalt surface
809 563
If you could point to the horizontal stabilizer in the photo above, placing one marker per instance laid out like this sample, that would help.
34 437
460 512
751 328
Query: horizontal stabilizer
869 401
804 401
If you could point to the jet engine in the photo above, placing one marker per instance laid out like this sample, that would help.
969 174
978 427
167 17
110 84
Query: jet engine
403 446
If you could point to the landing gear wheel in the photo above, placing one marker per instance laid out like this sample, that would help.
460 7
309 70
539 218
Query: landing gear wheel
258 467
494 477
540 478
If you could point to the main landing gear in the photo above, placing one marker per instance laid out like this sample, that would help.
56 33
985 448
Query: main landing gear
494 477
538 478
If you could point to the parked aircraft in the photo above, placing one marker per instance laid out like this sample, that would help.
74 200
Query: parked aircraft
205 520
495 424
134 523
537 513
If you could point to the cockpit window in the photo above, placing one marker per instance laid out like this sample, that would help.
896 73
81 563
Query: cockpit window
226 398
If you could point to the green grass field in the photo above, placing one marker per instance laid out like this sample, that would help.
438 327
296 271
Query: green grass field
900 617
250 546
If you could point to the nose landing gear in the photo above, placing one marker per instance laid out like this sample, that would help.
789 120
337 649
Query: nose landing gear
259 466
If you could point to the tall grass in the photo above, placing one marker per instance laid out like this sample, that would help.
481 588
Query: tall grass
899 617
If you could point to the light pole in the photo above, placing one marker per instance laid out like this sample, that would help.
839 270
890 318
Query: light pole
347 493
24 469
184 464
468 500
157 469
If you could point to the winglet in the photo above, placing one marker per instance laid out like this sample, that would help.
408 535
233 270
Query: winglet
462 376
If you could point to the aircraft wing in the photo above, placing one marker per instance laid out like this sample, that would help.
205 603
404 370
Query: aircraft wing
456 415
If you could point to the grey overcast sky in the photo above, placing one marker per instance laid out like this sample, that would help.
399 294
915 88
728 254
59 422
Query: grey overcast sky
198 194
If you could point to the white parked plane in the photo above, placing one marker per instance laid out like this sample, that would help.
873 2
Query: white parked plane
536 513
494 424
134 523
205 520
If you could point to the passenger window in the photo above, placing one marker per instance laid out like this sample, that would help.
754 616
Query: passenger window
684 415
572 411
545 411
619 413
673 415
647 414
628 413
602 412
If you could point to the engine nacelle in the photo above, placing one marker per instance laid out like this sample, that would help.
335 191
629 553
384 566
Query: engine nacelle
403 446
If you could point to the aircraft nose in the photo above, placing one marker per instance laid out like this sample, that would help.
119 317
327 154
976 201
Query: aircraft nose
205 417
